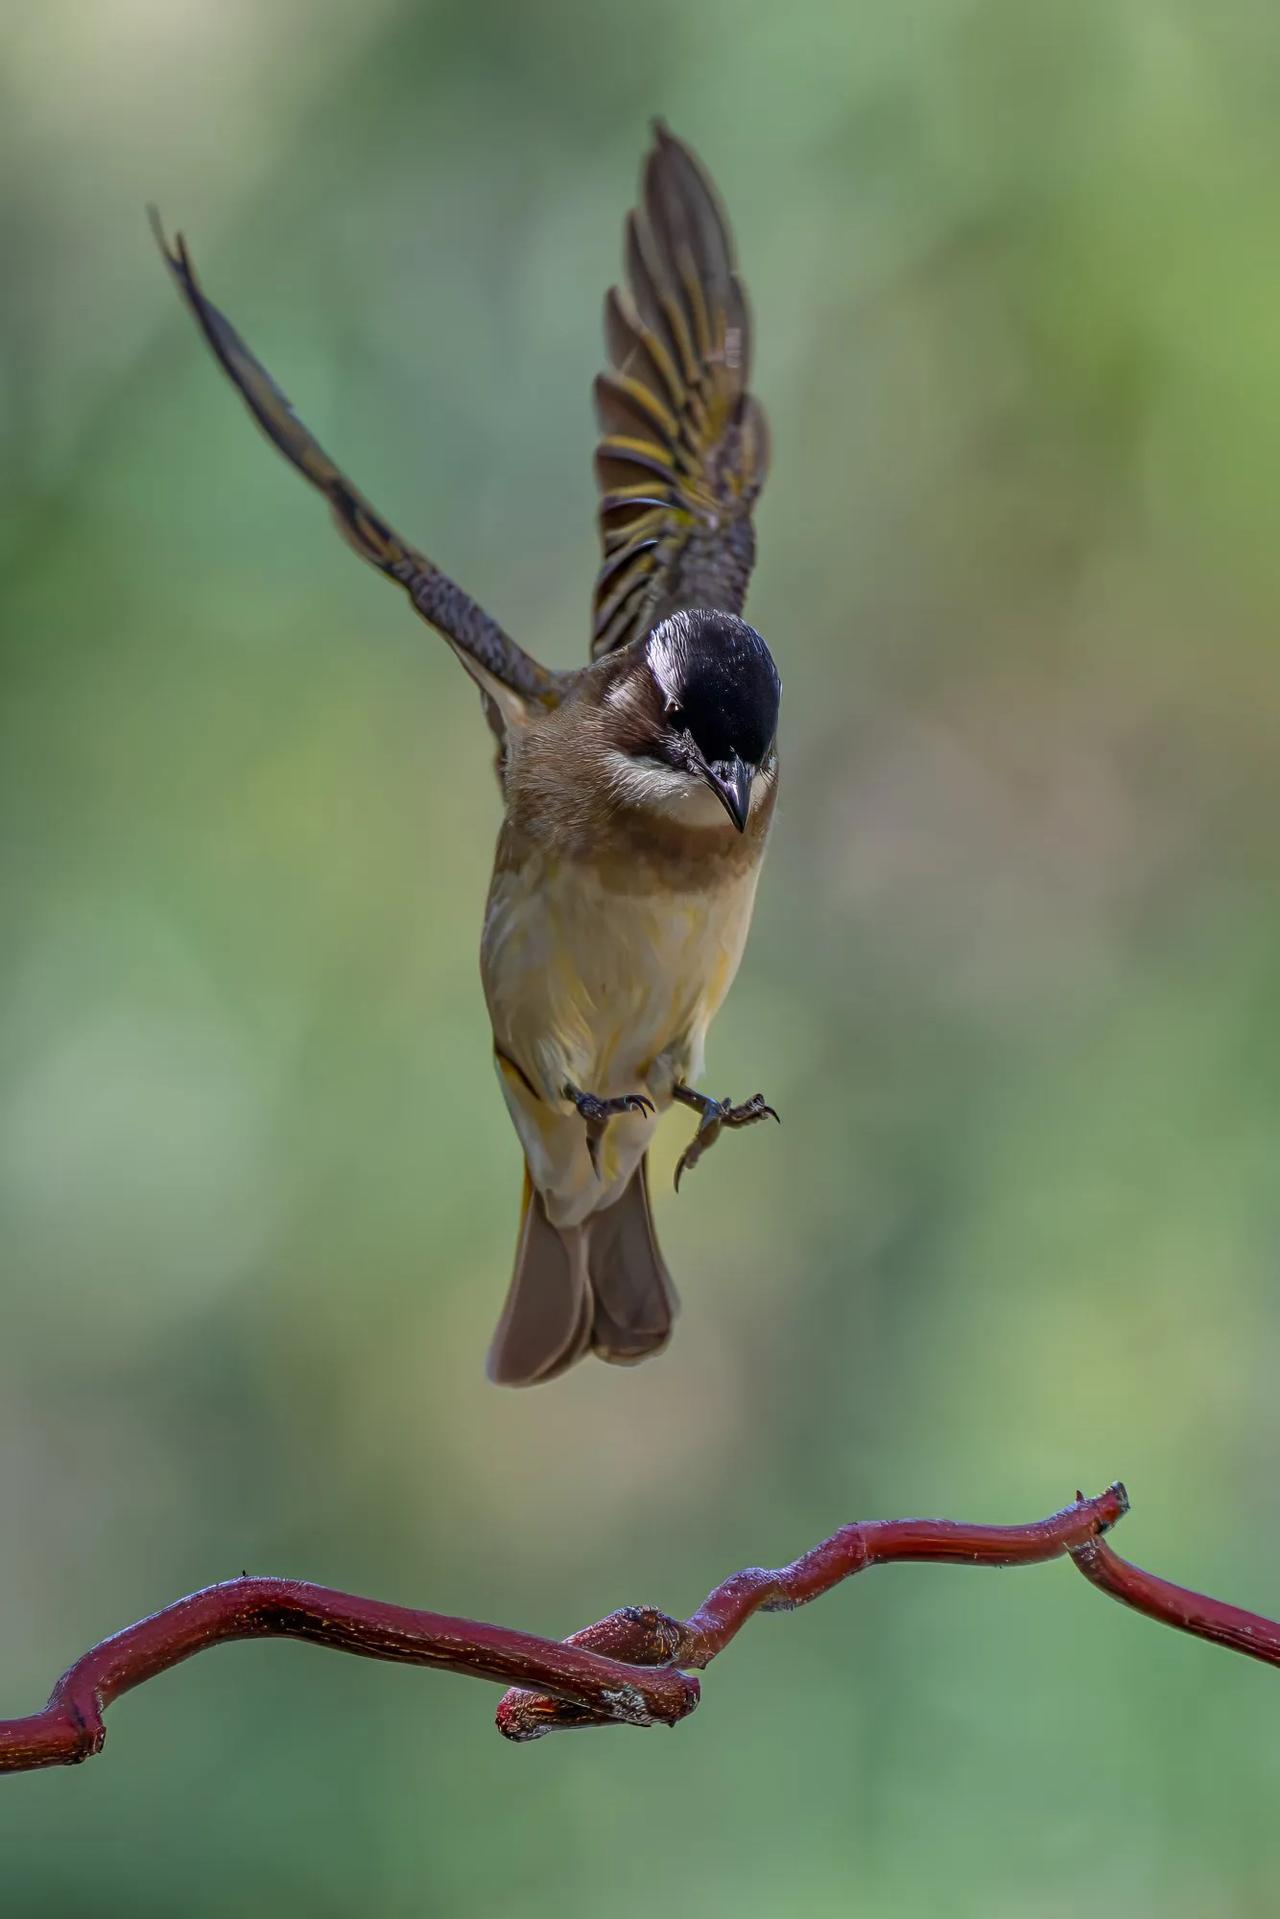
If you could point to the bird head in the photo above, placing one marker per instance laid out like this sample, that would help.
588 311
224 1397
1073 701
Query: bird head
711 714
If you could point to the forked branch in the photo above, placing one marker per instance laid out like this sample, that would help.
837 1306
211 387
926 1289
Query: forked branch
627 1668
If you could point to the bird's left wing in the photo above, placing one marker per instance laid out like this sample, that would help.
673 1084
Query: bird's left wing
508 677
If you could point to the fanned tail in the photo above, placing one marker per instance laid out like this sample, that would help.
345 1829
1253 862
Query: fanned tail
602 1285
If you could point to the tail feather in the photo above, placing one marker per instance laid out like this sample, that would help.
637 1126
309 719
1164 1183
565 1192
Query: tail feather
602 1285
546 1321
635 1301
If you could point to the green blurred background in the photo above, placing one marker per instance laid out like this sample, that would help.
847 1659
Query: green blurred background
1013 980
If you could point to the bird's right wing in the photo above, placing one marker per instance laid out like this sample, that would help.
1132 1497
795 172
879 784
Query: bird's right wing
509 678
685 447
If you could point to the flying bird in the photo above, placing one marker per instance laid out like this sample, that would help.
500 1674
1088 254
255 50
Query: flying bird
637 790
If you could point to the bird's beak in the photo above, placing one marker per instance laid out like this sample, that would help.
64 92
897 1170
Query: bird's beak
730 780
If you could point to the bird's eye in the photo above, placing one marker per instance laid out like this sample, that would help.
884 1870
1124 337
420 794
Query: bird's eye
672 708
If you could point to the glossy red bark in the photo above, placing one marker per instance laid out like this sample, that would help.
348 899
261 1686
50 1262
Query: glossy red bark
625 1669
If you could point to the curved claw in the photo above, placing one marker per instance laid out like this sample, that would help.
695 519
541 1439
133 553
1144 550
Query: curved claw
707 1135
597 1112
715 1114
751 1109
690 1157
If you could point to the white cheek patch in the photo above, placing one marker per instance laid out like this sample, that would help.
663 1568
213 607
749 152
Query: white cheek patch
696 805
657 788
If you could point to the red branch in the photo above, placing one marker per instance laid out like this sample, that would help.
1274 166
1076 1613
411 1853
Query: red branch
70 1728
1231 1626
654 1639
625 1669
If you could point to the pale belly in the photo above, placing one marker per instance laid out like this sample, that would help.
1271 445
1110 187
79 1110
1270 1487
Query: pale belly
609 991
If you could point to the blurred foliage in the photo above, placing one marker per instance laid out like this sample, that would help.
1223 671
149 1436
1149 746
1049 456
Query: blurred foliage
1012 982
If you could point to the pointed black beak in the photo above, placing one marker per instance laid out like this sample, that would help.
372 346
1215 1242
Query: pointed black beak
731 782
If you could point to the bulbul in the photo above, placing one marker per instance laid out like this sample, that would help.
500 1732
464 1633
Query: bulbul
637 790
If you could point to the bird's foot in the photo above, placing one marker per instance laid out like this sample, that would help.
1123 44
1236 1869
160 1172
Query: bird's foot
597 1113
716 1114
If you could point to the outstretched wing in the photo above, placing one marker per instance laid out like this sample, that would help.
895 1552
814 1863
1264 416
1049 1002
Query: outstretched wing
502 668
685 447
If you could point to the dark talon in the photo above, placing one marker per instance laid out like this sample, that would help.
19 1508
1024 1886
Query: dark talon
716 1113
597 1113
